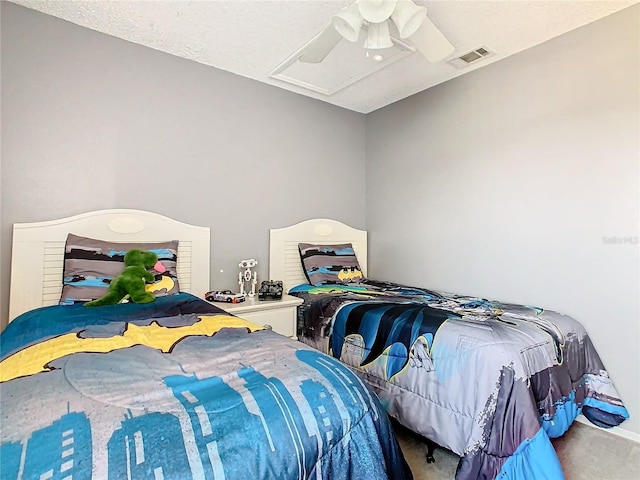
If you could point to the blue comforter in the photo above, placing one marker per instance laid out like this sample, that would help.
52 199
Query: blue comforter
493 382
180 389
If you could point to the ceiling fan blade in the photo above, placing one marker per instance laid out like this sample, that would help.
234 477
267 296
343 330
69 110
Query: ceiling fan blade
320 46
431 43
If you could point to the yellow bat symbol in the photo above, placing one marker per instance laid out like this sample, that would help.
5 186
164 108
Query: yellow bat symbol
36 358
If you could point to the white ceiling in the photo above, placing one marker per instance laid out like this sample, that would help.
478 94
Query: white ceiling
251 38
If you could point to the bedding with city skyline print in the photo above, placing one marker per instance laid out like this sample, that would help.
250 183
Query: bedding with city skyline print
180 389
490 381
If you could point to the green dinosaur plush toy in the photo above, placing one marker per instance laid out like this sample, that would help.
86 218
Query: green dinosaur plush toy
132 280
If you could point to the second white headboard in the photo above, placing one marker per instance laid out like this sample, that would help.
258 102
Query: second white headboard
284 257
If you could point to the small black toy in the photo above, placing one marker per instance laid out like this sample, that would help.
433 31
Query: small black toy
270 289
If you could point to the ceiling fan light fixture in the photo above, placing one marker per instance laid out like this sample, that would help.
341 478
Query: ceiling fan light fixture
348 22
376 11
378 36
408 17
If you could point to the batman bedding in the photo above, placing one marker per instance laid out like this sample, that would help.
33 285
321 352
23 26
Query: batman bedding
180 389
492 382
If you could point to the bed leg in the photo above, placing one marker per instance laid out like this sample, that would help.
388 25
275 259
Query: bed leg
431 446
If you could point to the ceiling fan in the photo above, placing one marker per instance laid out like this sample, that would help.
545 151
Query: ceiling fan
409 19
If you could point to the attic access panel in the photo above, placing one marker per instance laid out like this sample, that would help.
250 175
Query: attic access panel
345 65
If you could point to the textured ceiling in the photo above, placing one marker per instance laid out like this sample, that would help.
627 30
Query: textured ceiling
251 38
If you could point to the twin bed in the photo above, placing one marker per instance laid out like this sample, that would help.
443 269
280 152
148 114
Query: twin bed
180 389
491 381
176 388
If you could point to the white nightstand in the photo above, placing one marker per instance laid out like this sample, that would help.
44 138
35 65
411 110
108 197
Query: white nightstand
281 315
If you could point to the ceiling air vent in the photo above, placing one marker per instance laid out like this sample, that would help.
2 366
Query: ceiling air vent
473 56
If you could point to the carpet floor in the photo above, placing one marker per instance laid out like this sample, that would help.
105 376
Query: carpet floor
586 453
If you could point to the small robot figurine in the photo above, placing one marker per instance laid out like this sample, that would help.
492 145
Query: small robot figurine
248 277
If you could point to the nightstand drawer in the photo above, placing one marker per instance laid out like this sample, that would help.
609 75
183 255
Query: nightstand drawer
282 320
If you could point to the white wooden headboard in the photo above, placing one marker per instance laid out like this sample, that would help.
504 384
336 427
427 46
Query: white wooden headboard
38 251
284 257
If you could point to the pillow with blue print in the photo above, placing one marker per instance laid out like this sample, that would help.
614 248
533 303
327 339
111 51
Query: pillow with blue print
91 264
330 264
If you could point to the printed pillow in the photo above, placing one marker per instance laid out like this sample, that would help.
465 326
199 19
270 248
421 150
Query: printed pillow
323 264
90 265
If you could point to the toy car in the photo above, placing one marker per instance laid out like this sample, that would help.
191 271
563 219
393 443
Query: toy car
224 296
270 288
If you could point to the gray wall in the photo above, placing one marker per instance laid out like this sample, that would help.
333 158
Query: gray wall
90 121
508 183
